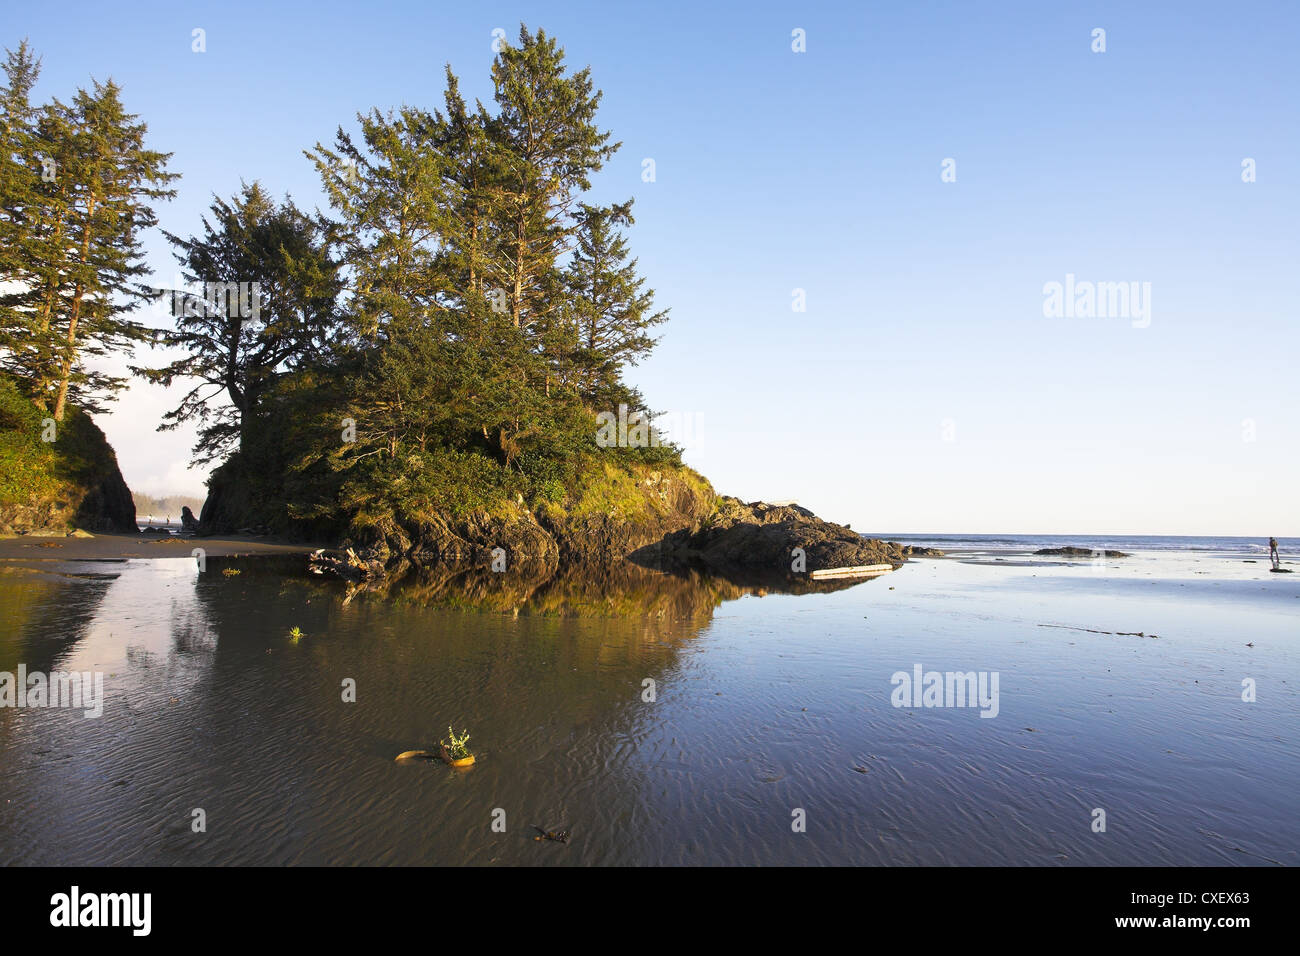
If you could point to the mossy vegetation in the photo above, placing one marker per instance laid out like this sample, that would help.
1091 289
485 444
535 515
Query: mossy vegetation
69 481
29 467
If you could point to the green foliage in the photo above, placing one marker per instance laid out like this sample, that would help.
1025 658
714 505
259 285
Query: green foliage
77 190
437 343
609 313
267 306
420 485
34 472
27 464
471 359
550 491
456 745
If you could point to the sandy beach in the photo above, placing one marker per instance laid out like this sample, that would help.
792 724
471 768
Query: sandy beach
117 547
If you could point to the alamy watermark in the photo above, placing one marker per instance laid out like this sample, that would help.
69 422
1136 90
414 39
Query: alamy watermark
127 910
636 428
74 689
922 688
238 300
1102 300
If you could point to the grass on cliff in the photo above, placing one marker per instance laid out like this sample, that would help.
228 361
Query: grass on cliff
623 490
459 485
33 471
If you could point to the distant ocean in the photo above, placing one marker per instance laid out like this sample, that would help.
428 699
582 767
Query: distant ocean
1114 542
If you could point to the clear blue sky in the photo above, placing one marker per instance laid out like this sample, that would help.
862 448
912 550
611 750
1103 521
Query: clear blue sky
820 171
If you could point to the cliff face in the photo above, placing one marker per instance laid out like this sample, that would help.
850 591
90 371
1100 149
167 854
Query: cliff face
71 481
613 513
106 504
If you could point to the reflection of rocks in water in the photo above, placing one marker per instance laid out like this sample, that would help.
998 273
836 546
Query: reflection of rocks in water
45 614
622 589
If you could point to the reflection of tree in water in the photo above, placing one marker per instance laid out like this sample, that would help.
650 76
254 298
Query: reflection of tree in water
44 614
624 589
192 632
547 673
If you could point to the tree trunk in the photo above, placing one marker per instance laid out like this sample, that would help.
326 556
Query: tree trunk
65 370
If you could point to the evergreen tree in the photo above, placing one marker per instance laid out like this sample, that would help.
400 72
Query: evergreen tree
485 310
610 310
76 192
392 211
472 171
83 258
20 206
268 306
44 291
549 145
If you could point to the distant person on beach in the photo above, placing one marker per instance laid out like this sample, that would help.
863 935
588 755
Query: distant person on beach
1272 552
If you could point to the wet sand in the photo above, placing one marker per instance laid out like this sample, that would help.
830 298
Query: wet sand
1120 687
114 547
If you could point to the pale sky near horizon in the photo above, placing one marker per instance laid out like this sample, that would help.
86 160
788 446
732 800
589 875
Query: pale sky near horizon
924 389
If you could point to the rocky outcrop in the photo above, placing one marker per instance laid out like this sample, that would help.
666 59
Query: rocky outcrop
513 539
916 551
664 502
754 540
107 504
72 481
1073 552
231 502
615 515
238 504
662 518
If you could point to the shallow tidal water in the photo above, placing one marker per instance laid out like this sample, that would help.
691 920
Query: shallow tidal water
764 706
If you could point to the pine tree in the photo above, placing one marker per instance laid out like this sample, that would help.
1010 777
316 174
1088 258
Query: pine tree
18 158
610 311
106 182
549 146
472 174
50 252
392 211
269 288
20 205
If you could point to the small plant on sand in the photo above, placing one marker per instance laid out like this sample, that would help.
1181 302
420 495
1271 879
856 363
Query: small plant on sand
296 634
456 748
230 572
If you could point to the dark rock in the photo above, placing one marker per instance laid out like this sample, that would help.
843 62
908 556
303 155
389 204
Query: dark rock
661 518
916 551
537 543
188 521
762 538
108 504
1072 552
